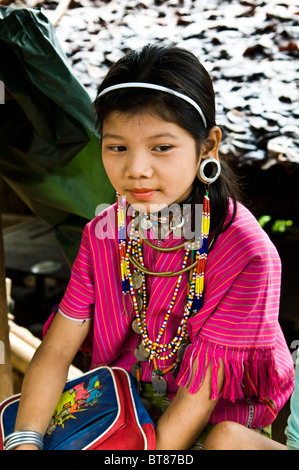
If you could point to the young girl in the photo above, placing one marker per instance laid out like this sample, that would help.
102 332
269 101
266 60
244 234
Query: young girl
187 303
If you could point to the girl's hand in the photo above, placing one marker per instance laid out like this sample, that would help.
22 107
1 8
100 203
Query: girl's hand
26 447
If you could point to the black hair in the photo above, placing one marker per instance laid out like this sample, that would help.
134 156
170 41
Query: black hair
179 70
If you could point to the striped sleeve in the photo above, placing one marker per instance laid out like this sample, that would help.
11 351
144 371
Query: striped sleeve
238 323
78 300
248 311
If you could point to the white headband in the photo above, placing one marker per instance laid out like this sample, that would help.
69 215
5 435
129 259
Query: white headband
153 86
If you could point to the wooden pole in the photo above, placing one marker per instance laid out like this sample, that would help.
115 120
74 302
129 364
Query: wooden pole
23 346
6 378
57 14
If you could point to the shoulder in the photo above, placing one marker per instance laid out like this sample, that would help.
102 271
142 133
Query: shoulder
245 225
245 235
100 236
244 221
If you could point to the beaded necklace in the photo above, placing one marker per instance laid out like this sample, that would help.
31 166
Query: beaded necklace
134 284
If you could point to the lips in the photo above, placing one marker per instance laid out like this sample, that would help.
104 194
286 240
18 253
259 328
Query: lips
142 193
141 190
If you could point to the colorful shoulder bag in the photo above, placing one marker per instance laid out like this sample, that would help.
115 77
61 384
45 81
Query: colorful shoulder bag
100 410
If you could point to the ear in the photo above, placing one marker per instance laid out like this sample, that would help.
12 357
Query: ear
210 146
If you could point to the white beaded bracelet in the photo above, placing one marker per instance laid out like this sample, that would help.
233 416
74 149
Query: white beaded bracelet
19 438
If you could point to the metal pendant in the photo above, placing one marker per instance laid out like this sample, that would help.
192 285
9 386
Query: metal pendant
139 303
181 351
136 327
137 280
176 369
145 223
177 222
177 226
159 384
141 353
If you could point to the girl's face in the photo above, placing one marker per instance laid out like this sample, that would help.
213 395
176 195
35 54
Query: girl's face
151 162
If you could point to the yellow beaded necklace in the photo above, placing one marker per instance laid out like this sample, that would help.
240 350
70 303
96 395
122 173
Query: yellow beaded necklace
133 283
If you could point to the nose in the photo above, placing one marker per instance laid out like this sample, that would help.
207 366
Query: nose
138 165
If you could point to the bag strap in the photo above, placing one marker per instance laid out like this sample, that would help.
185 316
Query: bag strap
3 406
128 412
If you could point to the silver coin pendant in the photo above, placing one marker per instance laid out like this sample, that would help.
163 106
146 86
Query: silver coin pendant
159 384
141 353
137 280
135 326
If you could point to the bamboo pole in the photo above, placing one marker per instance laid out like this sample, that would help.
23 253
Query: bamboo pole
23 346
6 378
57 14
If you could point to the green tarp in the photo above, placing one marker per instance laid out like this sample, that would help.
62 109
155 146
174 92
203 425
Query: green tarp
49 149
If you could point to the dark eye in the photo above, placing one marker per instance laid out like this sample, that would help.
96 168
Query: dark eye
163 148
117 148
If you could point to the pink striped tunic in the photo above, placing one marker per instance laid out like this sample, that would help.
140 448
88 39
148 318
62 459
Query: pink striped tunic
238 323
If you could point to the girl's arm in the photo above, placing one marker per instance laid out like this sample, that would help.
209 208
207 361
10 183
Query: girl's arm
187 415
47 374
